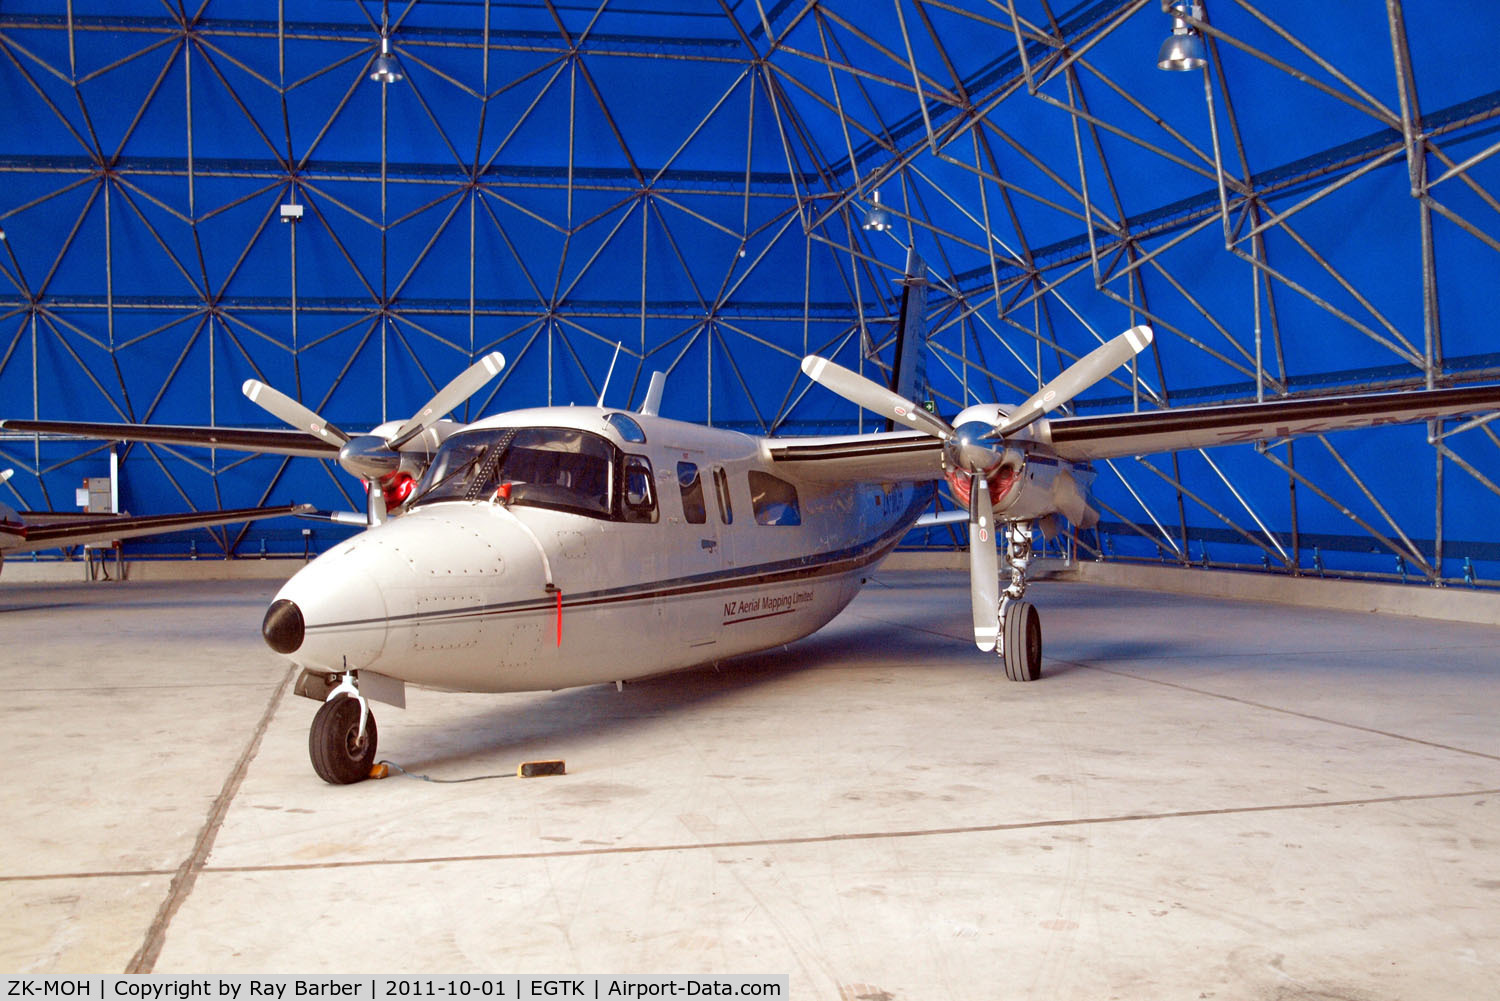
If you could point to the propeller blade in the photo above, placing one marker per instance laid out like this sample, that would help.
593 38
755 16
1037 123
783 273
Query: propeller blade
873 396
283 407
460 389
1077 377
984 566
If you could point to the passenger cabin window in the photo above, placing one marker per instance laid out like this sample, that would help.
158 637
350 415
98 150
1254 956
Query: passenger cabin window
774 500
721 488
630 431
694 509
561 468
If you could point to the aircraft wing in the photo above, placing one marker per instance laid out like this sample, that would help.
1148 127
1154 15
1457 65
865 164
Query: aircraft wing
29 537
914 456
1113 435
272 441
901 456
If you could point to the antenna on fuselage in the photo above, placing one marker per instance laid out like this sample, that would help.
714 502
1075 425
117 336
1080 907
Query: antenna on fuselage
653 394
608 374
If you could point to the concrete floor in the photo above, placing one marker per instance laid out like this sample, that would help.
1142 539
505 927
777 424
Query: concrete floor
1201 799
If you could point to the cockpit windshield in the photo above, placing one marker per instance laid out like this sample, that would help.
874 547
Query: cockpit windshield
561 468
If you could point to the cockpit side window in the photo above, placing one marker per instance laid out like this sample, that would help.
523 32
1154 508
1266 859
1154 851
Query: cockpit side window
639 491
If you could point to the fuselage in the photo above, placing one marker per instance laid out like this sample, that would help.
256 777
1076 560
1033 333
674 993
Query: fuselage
557 547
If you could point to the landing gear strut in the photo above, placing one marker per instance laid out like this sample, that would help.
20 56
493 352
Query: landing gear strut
342 739
1020 624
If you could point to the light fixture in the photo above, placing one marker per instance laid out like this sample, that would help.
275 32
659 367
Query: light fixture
1183 49
2 233
876 217
291 212
387 70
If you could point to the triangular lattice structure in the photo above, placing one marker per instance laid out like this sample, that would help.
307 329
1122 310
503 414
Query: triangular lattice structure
1315 210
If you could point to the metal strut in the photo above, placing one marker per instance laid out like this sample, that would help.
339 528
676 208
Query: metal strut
1018 558
349 685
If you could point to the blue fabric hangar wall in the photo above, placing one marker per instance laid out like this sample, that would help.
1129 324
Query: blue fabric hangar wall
1316 209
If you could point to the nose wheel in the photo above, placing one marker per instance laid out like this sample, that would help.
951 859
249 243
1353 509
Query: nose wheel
1021 649
1020 623
342 740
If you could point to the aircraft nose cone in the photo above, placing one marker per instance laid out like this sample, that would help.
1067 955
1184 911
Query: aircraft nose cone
283 627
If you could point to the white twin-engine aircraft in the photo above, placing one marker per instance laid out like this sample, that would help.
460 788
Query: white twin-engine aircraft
530 545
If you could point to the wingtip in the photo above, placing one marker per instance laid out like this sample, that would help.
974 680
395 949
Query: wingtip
813 366
252 388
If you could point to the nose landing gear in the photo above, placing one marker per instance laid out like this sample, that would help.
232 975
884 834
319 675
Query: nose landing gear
1020 644
342 739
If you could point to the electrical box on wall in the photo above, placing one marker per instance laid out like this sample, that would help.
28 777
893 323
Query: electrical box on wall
96 495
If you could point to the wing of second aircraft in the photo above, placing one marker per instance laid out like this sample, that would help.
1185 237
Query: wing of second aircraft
30 537
272 441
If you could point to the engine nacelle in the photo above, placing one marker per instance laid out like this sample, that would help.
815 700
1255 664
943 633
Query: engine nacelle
1003 481
1029 487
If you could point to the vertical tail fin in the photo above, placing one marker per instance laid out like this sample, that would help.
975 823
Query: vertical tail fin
911 338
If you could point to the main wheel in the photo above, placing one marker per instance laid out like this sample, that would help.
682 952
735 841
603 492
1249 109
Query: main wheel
338 754
1023 642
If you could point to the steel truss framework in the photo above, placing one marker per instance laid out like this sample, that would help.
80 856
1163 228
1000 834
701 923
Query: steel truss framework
1313 211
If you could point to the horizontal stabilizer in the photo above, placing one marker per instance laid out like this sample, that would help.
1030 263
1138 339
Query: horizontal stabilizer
358 519
935 518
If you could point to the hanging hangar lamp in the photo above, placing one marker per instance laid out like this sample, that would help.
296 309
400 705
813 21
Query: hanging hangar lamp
1183 50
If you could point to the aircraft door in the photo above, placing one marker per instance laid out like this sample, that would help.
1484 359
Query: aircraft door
698 521
640 507
699 548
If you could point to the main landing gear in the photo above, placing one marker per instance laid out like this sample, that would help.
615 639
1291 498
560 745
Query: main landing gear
342 740
1020 645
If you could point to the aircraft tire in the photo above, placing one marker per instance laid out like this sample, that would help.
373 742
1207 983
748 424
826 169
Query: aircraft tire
1023 642
338 755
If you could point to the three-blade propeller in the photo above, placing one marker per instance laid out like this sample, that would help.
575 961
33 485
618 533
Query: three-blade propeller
374 457
977 449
